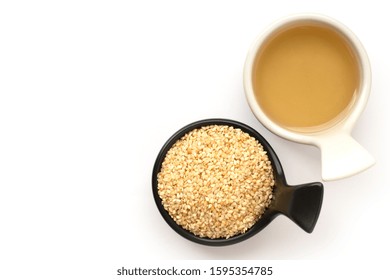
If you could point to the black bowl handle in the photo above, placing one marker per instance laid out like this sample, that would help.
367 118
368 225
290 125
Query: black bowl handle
301 203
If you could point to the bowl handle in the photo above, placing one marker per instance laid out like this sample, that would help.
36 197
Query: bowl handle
301 204
342 156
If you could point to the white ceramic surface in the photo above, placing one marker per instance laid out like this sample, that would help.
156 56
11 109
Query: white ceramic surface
341 155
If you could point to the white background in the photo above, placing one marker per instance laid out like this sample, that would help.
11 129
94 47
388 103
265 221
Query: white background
91 90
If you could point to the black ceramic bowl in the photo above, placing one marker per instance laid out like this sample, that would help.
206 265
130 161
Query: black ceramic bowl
301 203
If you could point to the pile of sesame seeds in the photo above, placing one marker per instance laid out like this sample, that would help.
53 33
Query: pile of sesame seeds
216 181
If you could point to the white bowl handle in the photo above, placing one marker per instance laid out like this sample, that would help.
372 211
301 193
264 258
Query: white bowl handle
342 156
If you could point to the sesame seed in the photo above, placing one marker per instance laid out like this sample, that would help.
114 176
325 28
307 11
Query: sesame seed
216 181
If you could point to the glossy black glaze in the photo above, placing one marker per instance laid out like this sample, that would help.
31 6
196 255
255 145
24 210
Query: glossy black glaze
301 203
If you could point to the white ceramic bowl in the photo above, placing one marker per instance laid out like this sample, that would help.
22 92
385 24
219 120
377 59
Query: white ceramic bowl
341 155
